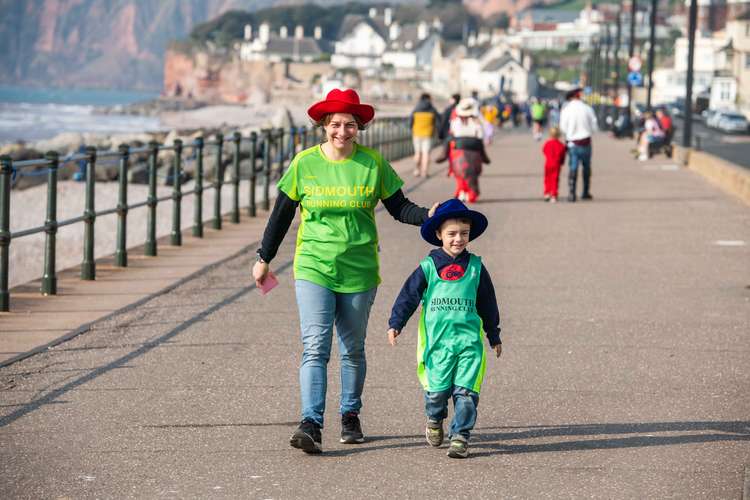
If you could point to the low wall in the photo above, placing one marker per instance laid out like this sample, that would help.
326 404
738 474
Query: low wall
726 175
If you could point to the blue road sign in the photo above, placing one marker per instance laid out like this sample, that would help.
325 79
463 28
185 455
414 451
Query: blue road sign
635 79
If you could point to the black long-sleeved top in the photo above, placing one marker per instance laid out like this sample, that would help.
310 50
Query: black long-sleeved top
411 294
285 208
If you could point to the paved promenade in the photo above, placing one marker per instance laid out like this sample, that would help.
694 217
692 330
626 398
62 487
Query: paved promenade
625 373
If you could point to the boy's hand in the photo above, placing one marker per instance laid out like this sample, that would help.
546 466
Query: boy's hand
498 350
392 334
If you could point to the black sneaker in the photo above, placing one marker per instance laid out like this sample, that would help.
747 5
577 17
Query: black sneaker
351 430
587 196
307 438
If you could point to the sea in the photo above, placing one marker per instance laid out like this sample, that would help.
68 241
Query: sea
32 114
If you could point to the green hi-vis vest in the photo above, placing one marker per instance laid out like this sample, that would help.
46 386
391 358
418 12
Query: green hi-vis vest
450 349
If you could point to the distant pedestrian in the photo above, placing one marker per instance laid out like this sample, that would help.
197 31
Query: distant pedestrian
448 114
554 157
337 185
458 302
652 135
467 150
538 115
553 114
578 123
489 120
424 122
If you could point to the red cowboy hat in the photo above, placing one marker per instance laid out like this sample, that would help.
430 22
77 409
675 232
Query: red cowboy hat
341 101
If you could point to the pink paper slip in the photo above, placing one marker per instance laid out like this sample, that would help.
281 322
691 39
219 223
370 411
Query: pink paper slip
269 283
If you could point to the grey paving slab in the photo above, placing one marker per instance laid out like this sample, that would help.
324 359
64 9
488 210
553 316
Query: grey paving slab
626 371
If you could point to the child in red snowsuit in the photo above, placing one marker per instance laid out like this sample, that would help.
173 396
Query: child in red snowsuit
554 157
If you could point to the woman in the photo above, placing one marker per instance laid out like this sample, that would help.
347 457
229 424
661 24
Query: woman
652 133
337 183
467 151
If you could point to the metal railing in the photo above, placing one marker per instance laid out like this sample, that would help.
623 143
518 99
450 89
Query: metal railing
267 153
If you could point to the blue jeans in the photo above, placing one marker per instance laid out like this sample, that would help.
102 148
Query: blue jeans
319 309
465 404
579 154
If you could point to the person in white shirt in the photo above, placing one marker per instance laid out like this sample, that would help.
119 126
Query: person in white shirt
578 123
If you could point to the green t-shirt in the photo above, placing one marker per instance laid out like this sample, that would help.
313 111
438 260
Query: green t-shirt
537 111
337 241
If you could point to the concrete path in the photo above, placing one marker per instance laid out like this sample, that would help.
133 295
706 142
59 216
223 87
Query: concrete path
626 372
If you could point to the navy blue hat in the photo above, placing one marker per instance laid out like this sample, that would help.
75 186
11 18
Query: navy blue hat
452 209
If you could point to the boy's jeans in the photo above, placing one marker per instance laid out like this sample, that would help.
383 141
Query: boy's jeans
319 309
465 404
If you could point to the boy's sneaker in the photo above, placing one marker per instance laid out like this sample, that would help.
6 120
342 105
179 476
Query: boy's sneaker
351 430
434 433
307 438
459 448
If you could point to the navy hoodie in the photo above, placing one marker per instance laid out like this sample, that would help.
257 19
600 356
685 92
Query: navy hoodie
448 268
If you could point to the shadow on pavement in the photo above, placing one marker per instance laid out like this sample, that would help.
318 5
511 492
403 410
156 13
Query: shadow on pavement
486 201
497 443
511 176
699 432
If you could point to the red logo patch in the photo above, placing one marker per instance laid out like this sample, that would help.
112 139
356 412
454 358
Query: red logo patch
452 272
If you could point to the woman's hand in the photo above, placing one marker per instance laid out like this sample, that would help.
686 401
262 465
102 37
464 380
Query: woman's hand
431 211
498 350
260 271
392 334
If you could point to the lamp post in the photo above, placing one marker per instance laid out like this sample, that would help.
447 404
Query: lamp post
688 128
651 43
631 53
618 40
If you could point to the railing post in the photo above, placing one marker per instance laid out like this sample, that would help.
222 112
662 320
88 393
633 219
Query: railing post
303 135
153 156
88 266
219 181
292 144
198 214
236 179
251 211
121 253
176 236
49 278
6 169
280 150
266 169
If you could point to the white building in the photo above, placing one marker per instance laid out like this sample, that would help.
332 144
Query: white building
485 68
276 48
711 74
411 50
361 42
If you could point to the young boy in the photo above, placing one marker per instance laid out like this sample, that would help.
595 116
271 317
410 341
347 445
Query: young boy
554 157
458 301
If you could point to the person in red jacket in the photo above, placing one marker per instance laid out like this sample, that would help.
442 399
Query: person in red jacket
554 157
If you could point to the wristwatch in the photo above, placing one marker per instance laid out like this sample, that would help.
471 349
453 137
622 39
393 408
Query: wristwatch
259 258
